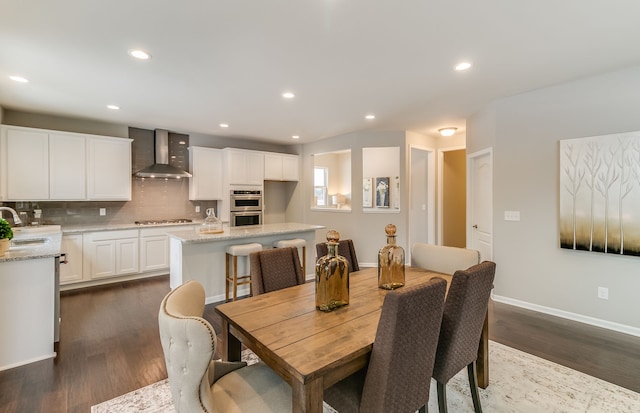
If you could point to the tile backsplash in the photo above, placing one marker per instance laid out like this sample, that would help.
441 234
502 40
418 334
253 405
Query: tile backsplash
150 199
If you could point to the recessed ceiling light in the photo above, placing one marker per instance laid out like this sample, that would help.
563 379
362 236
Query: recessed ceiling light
113 107
450 131
370 117
140 54
295 137
288 95
19 79
463 66
224 125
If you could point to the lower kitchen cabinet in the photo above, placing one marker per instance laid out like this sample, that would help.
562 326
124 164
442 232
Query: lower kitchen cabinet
71 261
154 250
110 253
102 255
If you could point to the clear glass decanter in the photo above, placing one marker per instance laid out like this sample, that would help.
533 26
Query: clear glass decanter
332 277
391 262
211 224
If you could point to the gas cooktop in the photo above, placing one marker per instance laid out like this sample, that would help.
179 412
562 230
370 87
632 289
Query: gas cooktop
164 221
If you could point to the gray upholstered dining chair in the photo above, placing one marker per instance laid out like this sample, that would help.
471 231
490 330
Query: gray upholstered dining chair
199 384
464 315
399 372
274 269
446 260
345 249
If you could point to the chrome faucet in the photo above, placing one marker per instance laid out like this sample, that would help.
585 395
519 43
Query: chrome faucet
16 218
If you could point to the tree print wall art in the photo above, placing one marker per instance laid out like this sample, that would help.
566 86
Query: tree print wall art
600 194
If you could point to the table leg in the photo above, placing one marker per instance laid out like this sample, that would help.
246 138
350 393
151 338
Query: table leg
231 347
307 398
482 363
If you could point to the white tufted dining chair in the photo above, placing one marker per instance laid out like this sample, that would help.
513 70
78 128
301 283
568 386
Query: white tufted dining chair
199 384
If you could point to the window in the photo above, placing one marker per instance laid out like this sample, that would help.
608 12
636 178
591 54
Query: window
332 180
320 179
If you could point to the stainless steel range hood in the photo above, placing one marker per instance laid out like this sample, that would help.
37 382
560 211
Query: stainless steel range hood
161 167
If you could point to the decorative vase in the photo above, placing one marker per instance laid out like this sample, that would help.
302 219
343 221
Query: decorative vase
391 262
332 277
5 244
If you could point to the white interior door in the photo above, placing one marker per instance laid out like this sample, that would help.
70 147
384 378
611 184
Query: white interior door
421 197
480 196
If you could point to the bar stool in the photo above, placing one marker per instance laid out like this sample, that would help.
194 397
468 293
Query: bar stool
298 243
236 251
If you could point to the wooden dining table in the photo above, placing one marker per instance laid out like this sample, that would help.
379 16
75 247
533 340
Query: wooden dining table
310 349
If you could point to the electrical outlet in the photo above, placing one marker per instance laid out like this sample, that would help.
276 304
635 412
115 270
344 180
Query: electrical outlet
603 293
103 212
197 208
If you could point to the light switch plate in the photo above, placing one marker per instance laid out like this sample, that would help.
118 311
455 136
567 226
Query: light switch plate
512 215
103 212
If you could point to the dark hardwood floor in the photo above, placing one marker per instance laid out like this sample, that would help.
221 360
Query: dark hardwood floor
110 346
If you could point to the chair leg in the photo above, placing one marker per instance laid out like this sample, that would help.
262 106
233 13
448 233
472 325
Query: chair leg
226 282
442 397
235 277
473 385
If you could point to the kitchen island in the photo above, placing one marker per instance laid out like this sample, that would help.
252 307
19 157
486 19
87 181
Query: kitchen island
29 296
201 257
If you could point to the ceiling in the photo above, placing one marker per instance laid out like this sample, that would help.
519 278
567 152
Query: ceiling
229 61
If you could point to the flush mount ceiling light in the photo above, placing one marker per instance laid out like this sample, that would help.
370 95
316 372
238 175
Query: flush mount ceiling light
295 137
370 117
447 131
224 125
288 95
113 107
19 79
140 54
463 66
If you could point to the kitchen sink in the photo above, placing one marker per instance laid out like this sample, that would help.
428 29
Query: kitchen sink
28 243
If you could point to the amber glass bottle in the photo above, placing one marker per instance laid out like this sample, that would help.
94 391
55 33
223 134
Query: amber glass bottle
391 262
332 277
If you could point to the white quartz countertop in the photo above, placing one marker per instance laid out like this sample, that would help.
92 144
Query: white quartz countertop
249 231
79 229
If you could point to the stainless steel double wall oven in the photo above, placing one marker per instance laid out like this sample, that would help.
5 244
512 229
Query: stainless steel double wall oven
245 207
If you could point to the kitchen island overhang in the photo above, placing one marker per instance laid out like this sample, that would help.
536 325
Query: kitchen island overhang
201 257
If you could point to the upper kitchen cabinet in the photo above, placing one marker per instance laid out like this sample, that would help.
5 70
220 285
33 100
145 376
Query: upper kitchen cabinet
205 164
281 167
67 166
244 167
108 169
38 164
25 156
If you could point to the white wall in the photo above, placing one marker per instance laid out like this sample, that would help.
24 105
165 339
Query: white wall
366 229
525 131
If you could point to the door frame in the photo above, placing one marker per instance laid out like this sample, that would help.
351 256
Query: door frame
471 159
431 195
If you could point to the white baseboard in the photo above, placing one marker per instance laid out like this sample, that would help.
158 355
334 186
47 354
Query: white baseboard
622 328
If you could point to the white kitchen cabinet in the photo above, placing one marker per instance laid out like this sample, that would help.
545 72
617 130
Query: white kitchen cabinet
67 167
39 164
110 253
281 167
154 246
154 249
108 169
27 165
71 247
205 164
244 167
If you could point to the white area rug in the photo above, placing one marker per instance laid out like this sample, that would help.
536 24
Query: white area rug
519 382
